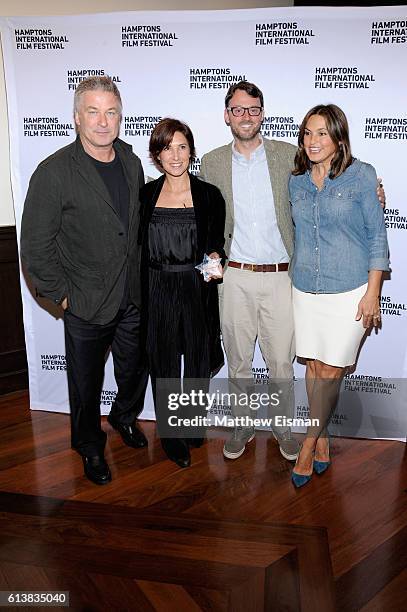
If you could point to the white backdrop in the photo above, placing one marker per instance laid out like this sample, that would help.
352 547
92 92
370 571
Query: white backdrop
180 64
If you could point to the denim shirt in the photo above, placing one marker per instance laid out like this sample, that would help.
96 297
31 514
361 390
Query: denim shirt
340 232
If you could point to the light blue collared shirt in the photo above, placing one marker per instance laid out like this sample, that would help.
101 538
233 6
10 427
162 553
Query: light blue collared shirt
256 237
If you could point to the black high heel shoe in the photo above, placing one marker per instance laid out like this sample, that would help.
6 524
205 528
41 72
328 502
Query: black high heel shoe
196 442
177 450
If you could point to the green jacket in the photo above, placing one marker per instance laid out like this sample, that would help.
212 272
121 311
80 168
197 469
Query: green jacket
216 168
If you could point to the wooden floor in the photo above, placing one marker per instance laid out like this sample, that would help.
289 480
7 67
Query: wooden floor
221 535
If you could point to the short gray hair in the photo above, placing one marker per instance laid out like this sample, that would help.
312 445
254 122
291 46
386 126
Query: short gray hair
93 83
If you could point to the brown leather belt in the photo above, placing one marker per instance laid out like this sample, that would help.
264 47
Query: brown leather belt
282 267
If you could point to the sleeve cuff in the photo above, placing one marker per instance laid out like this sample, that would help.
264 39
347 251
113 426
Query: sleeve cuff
379 263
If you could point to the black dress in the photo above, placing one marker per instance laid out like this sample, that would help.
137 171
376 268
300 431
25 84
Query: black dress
177 320
180 310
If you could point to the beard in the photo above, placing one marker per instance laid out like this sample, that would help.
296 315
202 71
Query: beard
245 135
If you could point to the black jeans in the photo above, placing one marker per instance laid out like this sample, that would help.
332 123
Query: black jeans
86 347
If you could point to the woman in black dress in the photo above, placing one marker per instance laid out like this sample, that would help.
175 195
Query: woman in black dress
182 219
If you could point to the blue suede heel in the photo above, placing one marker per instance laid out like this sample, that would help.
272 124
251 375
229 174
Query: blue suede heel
299 480
321 466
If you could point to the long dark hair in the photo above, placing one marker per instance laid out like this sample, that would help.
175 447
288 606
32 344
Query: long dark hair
338 129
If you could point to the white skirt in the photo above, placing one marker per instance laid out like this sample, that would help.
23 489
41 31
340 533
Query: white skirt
325 326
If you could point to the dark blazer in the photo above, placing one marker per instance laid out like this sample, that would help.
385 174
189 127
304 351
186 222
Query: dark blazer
73 242
209 207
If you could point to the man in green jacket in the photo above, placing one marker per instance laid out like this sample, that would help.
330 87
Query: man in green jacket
255 299
79 246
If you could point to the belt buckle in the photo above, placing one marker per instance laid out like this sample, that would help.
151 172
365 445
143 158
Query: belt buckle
252 267
276 267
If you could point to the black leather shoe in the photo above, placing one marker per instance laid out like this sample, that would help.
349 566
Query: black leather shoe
96 469
196 442
131 434
177 450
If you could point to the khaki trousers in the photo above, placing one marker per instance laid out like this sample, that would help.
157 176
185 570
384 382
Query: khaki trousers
258 306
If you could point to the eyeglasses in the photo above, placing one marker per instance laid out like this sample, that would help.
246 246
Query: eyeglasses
239 111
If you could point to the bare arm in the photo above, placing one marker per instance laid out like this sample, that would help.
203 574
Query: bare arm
369 305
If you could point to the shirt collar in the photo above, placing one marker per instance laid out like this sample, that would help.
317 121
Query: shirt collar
346 175
257 155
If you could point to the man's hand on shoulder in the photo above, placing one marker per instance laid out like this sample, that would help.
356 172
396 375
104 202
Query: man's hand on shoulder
380 192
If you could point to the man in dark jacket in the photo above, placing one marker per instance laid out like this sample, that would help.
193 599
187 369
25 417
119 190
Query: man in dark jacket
79 245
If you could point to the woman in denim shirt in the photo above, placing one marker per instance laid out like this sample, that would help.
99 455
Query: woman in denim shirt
340 252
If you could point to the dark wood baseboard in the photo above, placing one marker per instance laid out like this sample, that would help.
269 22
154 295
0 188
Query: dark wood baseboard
13 381
13 360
